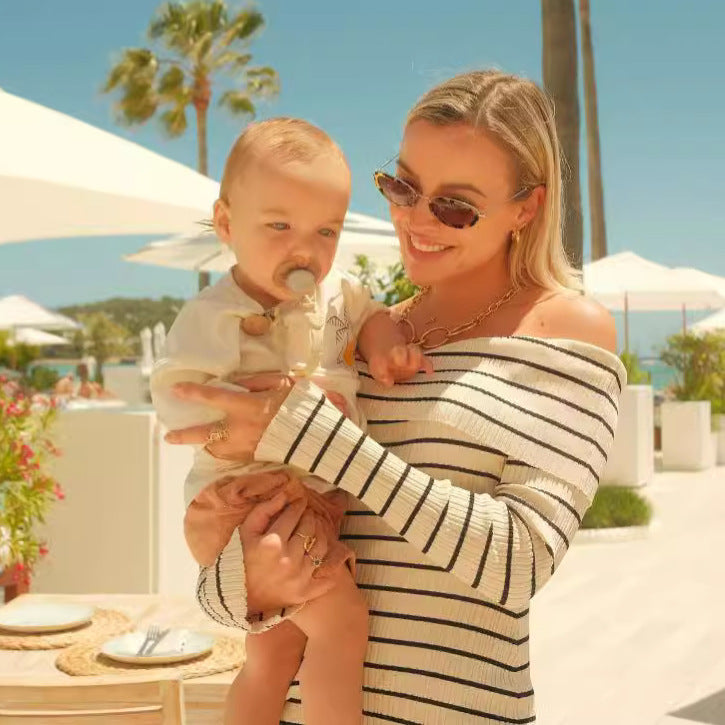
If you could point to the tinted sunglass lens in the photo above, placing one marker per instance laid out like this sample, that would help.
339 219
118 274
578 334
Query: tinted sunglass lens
395 190
454 213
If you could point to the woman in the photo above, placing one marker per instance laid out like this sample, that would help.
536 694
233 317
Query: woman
488 465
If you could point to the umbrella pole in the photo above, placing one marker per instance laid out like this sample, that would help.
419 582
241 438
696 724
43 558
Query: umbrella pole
684 319
626 323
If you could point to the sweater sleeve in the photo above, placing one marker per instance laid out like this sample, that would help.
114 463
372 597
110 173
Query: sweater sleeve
505 545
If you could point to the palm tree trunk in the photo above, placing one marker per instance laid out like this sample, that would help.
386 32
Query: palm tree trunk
203 167
560 80
594 162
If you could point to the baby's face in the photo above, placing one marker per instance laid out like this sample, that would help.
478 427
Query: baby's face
283 216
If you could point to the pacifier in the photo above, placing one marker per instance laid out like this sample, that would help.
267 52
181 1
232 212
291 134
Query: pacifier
300 281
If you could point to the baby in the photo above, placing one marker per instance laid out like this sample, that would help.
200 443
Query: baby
283 198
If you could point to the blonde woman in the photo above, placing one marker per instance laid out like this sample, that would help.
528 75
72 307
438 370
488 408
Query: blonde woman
472 482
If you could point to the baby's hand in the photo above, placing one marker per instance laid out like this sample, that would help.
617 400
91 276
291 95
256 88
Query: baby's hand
398 363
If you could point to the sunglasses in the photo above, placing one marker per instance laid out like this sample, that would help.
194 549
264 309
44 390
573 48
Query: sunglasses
450 212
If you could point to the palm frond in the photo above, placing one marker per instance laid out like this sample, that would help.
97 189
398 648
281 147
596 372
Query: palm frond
262 82
172 87
231 61
174 121
137 104
136 64
238 103
242 27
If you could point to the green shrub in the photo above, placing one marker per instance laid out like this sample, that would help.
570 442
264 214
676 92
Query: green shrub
617 506
635 374
42 378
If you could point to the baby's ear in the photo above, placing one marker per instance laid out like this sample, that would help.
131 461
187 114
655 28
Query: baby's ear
222 219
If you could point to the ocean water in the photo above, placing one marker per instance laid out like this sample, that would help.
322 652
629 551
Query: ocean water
662 375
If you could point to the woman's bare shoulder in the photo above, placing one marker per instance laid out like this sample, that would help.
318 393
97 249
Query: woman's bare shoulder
571 317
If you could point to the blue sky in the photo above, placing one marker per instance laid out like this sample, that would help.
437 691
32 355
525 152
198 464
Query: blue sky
355 69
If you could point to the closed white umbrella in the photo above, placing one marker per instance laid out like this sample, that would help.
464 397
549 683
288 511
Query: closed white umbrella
61 177
203 252
17 311
626 281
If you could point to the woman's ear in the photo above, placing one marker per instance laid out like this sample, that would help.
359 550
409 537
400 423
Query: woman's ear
530 206
222 221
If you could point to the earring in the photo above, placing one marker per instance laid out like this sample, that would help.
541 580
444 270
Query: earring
516 236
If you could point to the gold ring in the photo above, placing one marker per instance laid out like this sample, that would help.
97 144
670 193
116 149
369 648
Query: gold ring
310 541
220 432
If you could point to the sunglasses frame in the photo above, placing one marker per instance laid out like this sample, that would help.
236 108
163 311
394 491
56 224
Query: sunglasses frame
478 213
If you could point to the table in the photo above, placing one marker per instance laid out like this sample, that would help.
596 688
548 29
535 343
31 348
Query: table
204 696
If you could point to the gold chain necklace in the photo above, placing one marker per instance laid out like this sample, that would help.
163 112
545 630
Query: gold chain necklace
439 335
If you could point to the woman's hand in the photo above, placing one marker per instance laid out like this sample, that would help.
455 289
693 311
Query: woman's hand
278 572
247 413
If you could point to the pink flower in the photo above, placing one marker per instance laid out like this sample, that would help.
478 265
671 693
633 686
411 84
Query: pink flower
58 491
43 550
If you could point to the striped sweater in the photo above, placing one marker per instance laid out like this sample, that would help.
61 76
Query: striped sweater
467 492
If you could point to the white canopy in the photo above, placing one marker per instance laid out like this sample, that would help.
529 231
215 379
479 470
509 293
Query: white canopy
17 311
203 252
713 323
628 281
696 277
38 338
60 177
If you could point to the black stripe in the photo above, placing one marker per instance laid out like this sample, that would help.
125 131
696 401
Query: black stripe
205 604
458 469
449 650
497 422
509 557
304 430
434 533
521 501
450 623
448 678
372 475
376 421
419 503
327 444
371 537
349 460
445 595
450 706
527 388
360 512
464 531
535 366
484 556
395 490
446 441
540 341
533 550
564 503
401 564
519 408
219 587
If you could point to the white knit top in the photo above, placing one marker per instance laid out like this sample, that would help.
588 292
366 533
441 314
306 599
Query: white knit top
467 493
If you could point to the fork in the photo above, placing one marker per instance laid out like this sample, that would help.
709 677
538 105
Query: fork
153 634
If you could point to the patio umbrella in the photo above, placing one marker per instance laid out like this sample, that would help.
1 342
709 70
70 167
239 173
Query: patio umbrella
38 338
60 177
17 311
626 281
203 252
713 323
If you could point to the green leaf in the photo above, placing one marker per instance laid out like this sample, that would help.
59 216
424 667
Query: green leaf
174 121
238 103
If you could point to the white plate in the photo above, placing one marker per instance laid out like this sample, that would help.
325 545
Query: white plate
36 618
177 645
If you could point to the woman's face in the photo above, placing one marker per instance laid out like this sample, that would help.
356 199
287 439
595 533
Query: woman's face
464 163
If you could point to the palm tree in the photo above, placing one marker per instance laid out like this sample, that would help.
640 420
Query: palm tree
594 161
560 80
202 39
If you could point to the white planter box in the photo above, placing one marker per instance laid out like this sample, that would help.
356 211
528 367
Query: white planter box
687 440
719 421
631 461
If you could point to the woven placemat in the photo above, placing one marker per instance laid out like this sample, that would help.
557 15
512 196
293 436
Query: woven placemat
85 658
105 622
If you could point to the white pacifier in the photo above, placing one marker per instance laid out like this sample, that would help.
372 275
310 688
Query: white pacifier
300 281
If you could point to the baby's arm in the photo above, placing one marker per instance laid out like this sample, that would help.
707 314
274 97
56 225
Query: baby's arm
390 357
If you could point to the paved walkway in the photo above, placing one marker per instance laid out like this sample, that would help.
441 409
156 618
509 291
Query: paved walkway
633 633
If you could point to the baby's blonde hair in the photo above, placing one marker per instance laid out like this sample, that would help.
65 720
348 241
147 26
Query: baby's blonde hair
519 116
286 139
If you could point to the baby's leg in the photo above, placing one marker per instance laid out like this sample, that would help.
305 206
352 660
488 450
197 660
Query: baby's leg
258 693
331 677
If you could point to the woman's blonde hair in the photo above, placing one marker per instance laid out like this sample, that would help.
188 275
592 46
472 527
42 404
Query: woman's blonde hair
519 116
